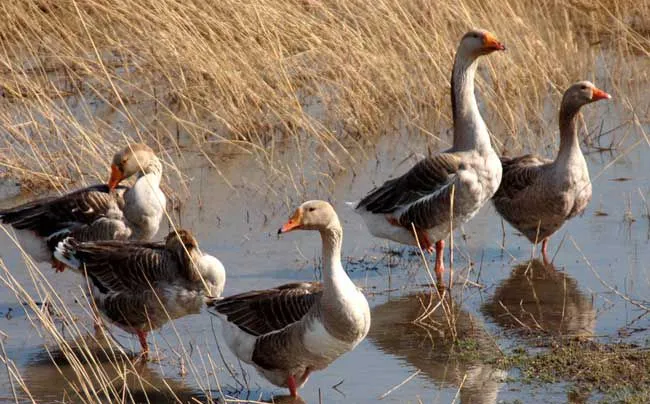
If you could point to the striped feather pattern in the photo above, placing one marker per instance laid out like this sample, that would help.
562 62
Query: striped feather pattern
123 266
265 311
141 285
533 199
50 215
420 196
519 173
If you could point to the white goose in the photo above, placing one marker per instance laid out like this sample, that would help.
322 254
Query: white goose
294 329
538 195
100 212
139 286
470 170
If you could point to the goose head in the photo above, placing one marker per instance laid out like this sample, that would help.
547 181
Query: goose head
312 215
478 42
181 240
582 93
129 161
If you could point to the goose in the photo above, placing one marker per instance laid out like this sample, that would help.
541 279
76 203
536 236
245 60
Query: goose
537 195
139 286
99 212
418 202
292 330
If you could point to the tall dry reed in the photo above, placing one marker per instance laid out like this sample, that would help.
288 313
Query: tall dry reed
77 76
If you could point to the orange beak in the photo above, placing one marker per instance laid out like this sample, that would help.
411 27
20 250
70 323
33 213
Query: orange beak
116 177
598 94
295 222
491 43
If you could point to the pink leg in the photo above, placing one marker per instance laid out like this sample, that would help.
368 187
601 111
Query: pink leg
293 390
423 237
142 336
544 251
440 266
58 265
425 243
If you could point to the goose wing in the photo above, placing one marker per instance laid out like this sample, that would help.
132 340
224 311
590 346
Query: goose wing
50 215
421 196
119 266
519 173
265 311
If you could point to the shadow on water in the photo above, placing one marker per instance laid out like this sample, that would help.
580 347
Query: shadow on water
539 299
428 344
51 377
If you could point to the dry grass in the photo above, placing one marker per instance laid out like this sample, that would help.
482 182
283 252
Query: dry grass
77 76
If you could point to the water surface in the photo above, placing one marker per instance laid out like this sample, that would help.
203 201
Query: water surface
599 270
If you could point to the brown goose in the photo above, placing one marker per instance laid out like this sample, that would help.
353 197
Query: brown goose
100 212
294 329
130 279
470 170
538 195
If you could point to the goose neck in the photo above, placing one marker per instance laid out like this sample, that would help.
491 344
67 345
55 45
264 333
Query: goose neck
470 131
569 146
332 239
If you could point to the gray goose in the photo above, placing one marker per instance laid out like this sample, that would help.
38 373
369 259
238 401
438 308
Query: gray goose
130 279
537 195
292 330
420 199
99 212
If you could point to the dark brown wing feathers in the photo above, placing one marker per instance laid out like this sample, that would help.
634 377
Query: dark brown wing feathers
121 266
426 177
264 311
518 174
50 215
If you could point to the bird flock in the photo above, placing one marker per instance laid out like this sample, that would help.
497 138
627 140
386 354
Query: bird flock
104 234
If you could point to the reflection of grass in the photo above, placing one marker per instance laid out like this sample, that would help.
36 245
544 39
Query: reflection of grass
251 75
621 371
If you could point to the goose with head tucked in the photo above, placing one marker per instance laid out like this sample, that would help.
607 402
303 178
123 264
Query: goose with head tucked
100 212
292 330
139 286
537 195
418 203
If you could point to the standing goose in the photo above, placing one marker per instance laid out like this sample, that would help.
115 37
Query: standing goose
100 212
139 286
538 195
470 170
294 329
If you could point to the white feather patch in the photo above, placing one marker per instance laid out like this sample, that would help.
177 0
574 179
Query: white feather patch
240 343
320 342
65 253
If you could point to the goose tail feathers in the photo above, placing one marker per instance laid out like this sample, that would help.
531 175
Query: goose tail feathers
65 252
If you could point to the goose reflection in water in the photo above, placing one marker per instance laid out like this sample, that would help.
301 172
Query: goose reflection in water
429 346
50 376
537 298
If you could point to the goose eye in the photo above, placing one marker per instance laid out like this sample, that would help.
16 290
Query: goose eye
312 209
583 87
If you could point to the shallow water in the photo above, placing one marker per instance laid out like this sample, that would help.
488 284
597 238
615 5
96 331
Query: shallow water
600 266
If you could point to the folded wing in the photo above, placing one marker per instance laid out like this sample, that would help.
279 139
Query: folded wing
421 196
266 311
